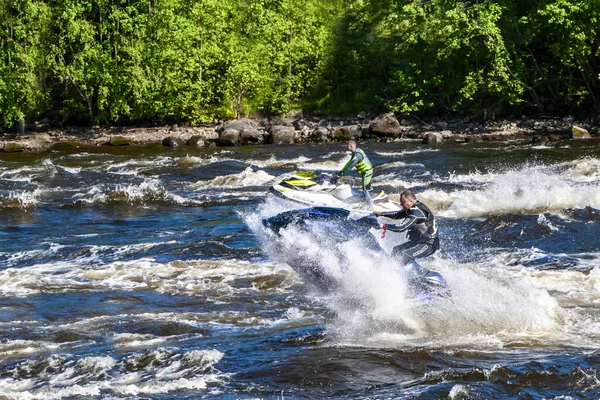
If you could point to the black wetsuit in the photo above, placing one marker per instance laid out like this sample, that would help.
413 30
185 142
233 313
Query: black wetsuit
422 232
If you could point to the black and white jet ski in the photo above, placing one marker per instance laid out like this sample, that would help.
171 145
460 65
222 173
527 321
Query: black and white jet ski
342 225
315 188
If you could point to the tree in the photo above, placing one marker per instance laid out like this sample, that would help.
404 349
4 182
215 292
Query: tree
23 26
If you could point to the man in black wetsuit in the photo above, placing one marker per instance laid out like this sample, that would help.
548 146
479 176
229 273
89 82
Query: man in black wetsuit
421 227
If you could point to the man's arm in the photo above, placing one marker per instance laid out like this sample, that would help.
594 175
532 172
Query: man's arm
411 218
356 158
392 214
404 225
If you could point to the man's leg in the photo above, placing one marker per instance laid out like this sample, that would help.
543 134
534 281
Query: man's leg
366 180
408 251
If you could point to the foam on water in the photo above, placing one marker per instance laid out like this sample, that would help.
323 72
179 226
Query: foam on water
584 170
405 152
23 200
135 166
28 172
150 190
279 162
191 161
530 189
136 340
213 320
22 347
189 278
90 254
71 170
152 372
396 164
479 312
327 165
248 177
401 184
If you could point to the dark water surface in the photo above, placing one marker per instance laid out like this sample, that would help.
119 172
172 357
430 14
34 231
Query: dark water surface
139 273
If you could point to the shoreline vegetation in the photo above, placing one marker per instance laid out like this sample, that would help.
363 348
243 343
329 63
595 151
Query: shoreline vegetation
166 71
299 129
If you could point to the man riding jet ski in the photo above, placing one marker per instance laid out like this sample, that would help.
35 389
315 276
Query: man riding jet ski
360 161
316 189
340 226
419 223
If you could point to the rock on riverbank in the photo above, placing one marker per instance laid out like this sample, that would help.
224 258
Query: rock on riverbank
384 127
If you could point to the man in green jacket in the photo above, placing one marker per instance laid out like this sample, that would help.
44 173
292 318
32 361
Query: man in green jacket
363 166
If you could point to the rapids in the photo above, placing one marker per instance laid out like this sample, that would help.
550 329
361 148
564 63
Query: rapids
141 273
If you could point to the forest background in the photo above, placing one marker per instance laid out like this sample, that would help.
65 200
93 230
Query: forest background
87 62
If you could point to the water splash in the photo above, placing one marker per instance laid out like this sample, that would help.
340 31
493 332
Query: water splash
372 306
530 189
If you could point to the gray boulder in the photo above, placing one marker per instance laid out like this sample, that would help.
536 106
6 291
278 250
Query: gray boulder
300 124
252 137
474 139
385 125
320 134
233 133
228 137
433 138
172 141
347 132
196 141
14 147
282 134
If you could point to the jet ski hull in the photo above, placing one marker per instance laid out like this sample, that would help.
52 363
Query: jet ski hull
314 189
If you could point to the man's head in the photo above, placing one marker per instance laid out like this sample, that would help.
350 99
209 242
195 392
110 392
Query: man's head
352 145
407 199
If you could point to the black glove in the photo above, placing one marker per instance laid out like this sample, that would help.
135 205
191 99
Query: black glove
334 178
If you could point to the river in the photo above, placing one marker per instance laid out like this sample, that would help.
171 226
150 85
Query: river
130 273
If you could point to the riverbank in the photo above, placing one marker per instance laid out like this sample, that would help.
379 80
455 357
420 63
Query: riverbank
300 129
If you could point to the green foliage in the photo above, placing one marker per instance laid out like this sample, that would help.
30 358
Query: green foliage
128 61
122 61
476 57
23 26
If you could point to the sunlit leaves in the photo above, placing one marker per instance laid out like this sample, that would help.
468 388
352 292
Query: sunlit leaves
107 61
122 61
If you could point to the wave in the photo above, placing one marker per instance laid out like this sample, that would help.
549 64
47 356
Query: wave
151 372
279 162
21 200
405 152
149 191
530 189
190 278
246 178
192 161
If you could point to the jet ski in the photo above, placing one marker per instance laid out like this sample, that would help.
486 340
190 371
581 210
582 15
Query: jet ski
341 225
315 188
